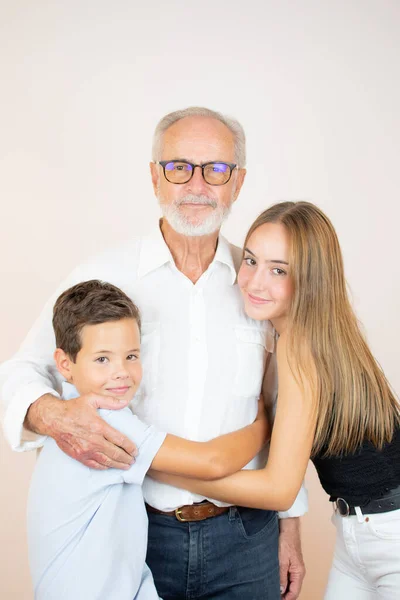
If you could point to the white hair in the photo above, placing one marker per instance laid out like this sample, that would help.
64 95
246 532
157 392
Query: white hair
185 226
198 111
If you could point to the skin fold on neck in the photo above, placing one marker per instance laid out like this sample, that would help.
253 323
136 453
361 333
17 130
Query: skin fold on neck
192 255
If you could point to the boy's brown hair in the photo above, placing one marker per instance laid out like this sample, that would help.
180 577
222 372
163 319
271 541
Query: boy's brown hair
88 303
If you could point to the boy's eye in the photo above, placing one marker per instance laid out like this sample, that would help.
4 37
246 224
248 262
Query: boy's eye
249 261
131 357
101 359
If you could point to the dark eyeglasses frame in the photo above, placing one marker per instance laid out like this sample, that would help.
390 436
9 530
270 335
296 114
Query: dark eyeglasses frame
163 163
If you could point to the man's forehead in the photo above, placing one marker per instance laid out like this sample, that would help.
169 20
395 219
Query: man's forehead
193 135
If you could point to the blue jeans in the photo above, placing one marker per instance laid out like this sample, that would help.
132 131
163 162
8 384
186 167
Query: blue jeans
230 557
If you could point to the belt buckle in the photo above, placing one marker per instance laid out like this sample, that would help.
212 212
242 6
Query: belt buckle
342 507
178 512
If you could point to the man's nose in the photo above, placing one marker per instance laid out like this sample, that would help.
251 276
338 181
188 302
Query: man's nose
197 184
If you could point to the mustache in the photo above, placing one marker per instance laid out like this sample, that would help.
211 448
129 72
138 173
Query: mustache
193 199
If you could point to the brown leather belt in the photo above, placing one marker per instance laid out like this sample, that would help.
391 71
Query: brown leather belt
192 512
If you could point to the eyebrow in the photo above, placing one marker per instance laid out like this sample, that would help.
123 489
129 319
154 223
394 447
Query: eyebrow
188 160
110 351
272 260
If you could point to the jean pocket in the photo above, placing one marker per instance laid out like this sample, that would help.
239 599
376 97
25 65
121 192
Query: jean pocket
385 526
251 357
254 522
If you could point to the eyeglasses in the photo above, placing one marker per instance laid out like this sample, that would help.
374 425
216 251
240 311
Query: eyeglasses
181 171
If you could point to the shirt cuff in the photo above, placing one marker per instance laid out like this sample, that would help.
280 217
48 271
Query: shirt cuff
20 438
300 505
147 452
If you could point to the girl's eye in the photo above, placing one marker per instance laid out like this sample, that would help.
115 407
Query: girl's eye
249 261
278 271
131 357
101 359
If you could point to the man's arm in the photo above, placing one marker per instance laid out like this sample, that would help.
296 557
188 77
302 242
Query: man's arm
80 432
291 564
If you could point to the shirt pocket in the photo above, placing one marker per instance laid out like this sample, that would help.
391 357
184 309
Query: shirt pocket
251 355
150 354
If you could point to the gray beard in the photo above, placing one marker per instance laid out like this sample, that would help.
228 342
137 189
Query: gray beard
185 226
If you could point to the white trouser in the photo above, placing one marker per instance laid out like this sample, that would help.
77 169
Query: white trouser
366 564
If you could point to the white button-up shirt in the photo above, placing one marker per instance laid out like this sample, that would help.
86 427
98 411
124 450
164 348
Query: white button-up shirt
203 358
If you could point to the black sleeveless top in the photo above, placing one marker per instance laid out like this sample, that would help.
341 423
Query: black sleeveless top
363 476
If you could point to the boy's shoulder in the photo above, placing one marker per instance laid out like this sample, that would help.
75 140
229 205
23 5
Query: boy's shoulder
129 424
56 470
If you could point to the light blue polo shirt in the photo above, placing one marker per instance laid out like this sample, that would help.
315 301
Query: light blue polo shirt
87 529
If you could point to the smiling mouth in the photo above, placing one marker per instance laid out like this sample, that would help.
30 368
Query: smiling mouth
196 205
257 299
119 390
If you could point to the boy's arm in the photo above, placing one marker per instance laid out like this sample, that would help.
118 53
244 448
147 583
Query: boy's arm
216 458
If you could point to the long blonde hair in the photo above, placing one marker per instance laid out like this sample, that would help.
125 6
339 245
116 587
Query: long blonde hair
353 400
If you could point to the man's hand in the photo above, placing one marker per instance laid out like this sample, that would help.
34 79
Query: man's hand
292 569
79 431
263 419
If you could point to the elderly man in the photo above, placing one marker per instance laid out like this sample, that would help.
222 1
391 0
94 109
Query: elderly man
203 370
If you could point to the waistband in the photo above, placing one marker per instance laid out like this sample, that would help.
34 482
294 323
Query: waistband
386 503
192 512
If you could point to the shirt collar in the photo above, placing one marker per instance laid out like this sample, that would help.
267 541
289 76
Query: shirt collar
224 256
154 253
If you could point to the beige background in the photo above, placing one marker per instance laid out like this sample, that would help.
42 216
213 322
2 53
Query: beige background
316 86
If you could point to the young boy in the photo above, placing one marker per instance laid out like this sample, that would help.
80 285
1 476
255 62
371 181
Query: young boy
87 529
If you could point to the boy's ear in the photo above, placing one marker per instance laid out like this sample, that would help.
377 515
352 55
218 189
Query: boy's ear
63 363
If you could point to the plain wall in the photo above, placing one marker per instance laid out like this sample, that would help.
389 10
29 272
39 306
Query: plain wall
316 86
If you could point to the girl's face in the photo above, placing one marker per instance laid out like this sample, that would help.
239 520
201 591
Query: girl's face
263 278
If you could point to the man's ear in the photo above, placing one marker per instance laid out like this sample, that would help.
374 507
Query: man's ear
239 182
154 177
63 364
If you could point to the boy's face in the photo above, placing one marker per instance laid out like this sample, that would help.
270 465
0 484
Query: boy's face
108 362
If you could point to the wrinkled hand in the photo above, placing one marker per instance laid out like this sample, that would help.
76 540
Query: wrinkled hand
292 569
80 432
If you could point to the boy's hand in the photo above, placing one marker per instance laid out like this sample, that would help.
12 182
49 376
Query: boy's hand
80 432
